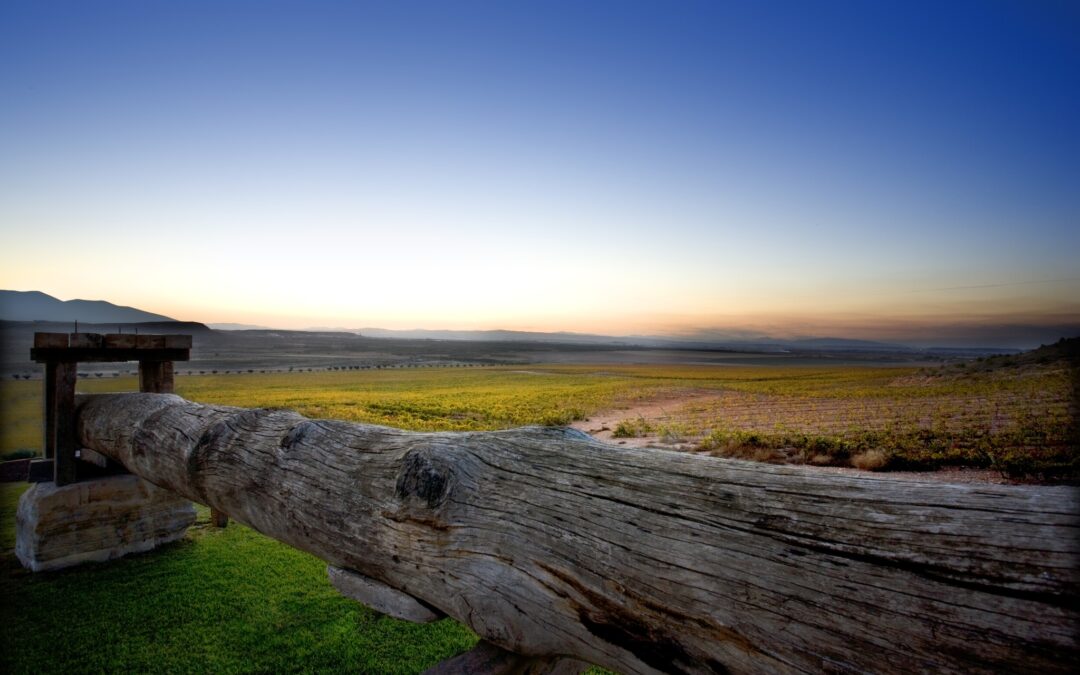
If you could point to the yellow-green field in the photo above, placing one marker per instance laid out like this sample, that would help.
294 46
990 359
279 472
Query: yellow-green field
1012 418
420 399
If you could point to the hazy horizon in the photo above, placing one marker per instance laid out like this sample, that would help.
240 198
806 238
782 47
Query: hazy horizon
903 332
898 172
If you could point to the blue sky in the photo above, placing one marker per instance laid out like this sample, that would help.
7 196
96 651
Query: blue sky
899 170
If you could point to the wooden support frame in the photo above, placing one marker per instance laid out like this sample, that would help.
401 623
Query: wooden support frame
62 352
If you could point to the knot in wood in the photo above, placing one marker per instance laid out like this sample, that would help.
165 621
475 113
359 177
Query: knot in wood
427 474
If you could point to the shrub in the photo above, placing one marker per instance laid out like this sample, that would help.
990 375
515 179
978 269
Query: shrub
871 460
22 453
634 428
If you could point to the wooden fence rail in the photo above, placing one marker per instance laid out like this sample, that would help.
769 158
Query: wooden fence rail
548 543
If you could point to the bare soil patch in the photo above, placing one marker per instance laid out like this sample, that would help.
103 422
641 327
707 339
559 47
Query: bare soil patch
678 406
657 411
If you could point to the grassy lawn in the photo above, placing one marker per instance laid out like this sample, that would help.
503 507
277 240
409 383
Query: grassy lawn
218 601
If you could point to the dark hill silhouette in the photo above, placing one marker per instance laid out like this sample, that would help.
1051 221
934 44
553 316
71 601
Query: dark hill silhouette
37 306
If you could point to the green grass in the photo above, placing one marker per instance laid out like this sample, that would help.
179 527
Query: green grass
218 601
9 501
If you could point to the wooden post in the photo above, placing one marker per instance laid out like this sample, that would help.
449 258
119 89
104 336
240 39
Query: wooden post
218 518
49 341
61 353
48 446
156 377
63 421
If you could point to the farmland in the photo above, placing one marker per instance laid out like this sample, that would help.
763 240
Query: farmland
1009 414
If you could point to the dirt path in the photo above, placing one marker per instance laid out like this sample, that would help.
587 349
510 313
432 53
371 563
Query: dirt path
656 411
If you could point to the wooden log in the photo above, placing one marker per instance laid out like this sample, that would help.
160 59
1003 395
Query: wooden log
548 543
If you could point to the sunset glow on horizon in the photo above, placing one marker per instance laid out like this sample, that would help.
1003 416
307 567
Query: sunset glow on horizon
902 171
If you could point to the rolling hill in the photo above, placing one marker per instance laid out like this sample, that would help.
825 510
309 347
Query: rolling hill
37 306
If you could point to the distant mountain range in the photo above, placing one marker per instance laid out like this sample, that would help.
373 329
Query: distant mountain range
237 326
758 344
37 306
29 306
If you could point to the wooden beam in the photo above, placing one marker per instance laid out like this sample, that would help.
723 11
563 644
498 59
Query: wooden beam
65 443
50 340
81 347
150 342
177 342
107 355
120 340
86 341
548 543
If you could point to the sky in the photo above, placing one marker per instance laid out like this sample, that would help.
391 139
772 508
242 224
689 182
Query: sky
874 169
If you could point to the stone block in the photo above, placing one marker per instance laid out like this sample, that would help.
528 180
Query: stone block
380 597
96 520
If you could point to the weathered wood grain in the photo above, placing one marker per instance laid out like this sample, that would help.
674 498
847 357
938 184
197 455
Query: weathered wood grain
87 341
546 542
51 340
120 341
